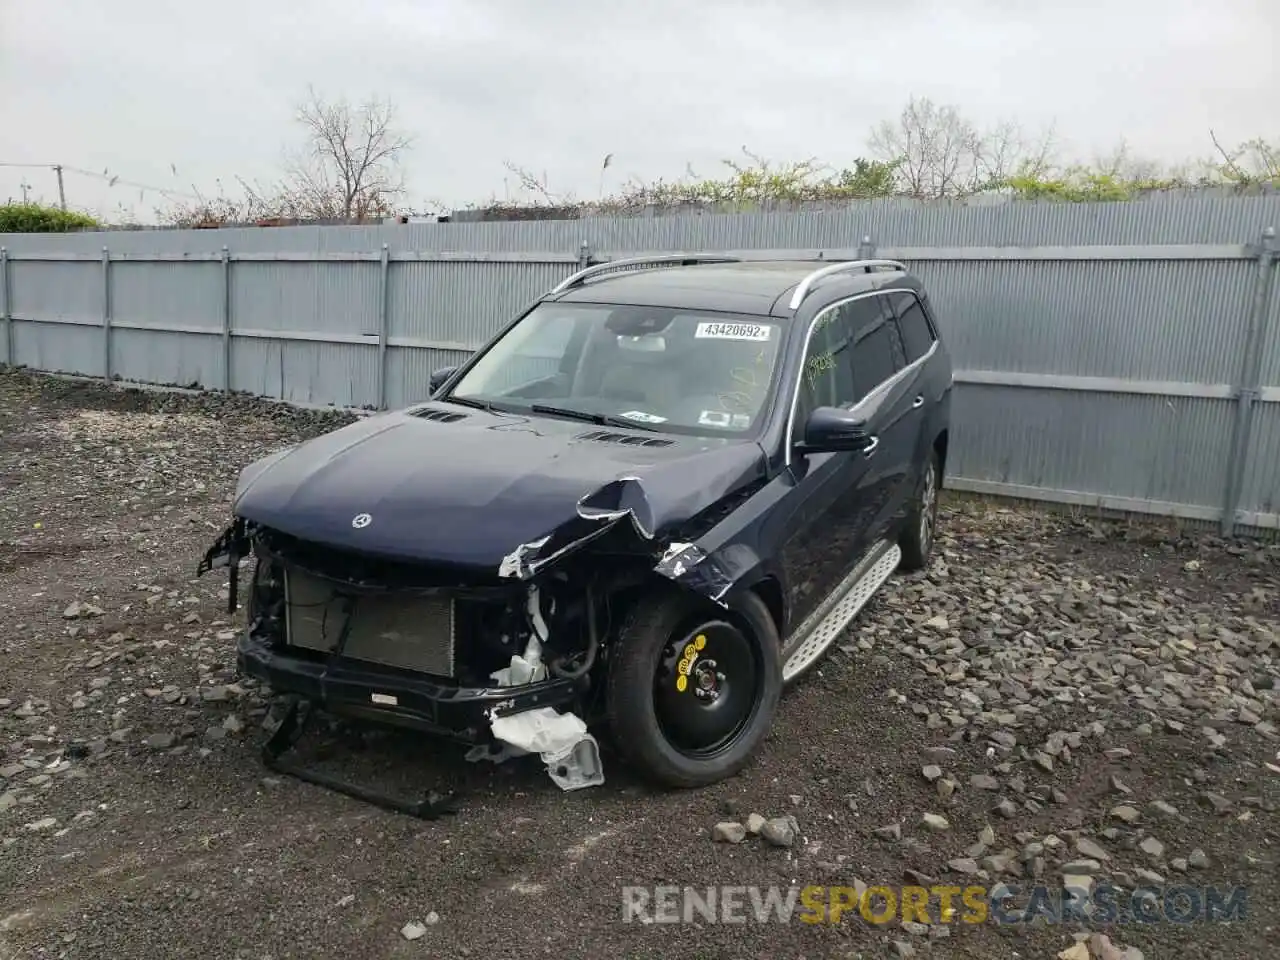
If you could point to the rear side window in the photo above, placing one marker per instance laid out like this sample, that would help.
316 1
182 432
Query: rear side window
917 334
873 359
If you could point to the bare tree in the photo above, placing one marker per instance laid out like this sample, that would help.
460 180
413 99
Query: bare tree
1254 161
936 147
940 153
536 186
348 167
1120 163
1007 150
350 164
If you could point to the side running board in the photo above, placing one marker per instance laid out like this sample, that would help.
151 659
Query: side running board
812 638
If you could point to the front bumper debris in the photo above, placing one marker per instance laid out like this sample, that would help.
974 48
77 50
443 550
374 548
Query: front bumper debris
287 735
523 717
571 755
228 550
397 697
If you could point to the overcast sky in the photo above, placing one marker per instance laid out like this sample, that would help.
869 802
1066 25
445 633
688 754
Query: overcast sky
135 86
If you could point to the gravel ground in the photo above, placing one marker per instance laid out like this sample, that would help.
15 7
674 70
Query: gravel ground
1055 692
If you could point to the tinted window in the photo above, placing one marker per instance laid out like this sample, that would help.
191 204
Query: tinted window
864 313
828 376
873 361
844 361
917 335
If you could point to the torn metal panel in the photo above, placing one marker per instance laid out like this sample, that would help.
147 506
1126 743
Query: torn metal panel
529 558
678 559
654 504
624 497
663 497
712 574
519 563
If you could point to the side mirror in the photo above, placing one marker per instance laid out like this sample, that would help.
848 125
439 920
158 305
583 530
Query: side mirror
831 430
438 377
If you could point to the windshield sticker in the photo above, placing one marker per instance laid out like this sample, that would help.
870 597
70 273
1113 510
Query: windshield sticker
724 420
642 417
757 332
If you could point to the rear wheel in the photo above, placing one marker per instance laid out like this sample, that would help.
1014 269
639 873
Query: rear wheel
922 521
692 692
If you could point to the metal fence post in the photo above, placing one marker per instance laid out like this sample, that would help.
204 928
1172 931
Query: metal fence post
106 314
6 314
384 266
1250 375
226 320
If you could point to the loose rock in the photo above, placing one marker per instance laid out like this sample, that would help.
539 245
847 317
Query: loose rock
1087 848
1125 813
781 831
727 832
935 822
160 741
1152 848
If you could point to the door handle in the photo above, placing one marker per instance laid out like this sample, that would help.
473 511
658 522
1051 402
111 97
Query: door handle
918 402
870 448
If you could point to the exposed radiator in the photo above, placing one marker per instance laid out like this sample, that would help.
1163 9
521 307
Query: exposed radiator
411 632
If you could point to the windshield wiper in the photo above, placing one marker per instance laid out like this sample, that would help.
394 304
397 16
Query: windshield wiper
603 419
484 405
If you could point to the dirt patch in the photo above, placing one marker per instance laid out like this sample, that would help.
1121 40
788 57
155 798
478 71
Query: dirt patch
14 557
1054 670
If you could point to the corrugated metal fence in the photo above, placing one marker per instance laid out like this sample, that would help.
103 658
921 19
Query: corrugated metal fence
1125 356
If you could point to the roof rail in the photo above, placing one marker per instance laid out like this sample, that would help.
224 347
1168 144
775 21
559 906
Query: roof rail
675 259
807 283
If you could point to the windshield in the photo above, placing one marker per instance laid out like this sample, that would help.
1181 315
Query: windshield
658 368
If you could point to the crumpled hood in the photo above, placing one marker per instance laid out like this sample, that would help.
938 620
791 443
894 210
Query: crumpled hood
472 491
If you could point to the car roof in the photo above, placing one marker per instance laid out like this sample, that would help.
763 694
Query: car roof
751 287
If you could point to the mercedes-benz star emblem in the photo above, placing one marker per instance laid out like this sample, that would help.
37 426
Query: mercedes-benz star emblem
361 520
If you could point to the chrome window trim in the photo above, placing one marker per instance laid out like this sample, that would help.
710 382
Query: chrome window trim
875 393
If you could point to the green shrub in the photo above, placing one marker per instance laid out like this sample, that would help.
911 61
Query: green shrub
33 218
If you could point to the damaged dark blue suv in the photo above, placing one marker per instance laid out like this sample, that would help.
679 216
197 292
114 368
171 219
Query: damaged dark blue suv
649 503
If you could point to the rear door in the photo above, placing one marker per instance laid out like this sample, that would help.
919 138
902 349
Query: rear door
919 341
